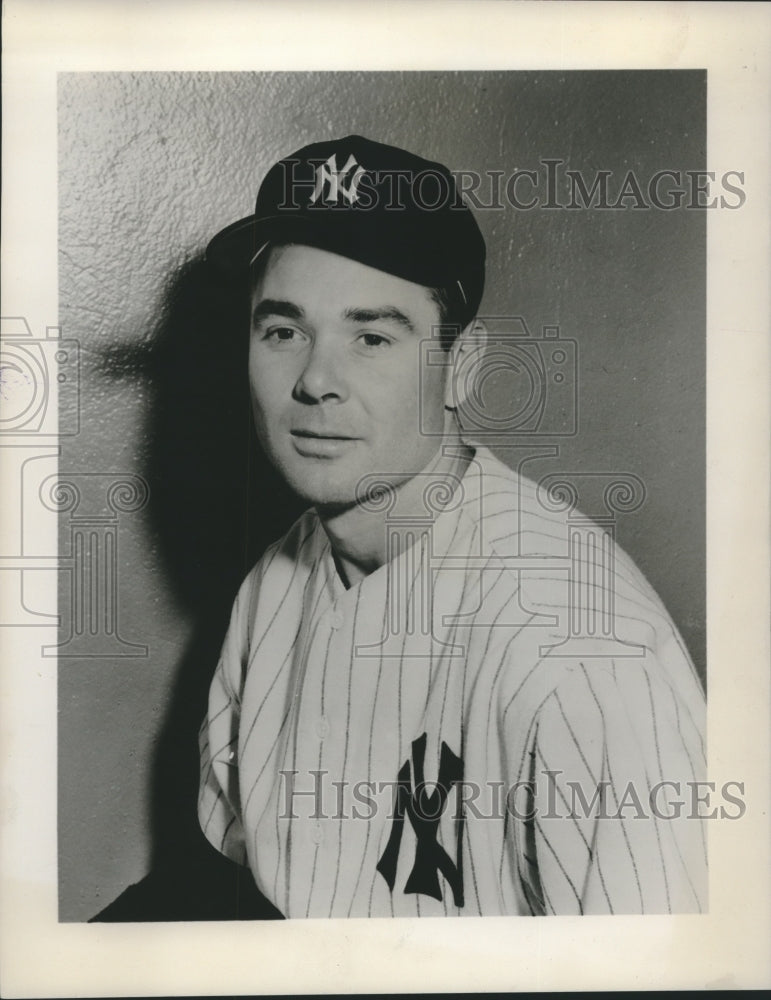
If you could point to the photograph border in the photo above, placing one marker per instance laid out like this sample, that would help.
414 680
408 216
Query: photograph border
727 947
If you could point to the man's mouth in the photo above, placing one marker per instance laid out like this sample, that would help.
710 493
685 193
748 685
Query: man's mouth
321 444
322 435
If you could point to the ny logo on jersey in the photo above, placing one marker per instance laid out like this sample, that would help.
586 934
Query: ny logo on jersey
327 175
425 811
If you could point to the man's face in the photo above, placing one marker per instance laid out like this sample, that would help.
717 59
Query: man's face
335 373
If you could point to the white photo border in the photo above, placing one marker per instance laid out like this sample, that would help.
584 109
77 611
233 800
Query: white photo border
725 948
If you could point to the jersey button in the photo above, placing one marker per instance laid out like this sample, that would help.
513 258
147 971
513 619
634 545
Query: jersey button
322 728
317 835
336 620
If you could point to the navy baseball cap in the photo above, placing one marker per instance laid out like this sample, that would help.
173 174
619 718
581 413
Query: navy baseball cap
376 204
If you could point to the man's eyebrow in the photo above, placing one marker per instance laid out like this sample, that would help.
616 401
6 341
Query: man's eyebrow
384 312
276 307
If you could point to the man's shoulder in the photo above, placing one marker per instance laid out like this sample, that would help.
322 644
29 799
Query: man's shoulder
514 513
556 554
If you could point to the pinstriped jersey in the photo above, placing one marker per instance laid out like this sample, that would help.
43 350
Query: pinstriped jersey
487 724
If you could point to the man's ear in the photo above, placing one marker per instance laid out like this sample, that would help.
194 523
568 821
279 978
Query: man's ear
465 354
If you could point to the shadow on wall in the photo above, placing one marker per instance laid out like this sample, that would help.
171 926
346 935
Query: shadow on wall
215 504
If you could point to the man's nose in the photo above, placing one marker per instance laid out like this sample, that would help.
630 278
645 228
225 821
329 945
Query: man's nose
322 377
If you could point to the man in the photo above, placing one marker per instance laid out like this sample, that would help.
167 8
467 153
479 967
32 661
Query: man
426 704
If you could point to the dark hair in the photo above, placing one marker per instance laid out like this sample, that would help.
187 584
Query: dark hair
448 301
451 308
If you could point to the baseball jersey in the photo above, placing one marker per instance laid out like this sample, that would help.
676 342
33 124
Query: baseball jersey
488 724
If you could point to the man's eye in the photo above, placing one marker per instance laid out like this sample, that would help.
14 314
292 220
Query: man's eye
281 334
374 340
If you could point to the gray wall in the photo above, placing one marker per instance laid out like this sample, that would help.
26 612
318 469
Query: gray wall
151 165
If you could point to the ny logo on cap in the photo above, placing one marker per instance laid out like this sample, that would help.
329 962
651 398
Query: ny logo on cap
328 174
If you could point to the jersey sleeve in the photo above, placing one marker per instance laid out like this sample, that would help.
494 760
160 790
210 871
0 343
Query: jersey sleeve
612 755
219 806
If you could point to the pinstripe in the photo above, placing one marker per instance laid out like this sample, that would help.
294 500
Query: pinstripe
463 748
694 728
225 708
533 724
369 760
500 699
528 826
345 750
442 656
316 849
318 766
300 691
295 570
561 867
622 819
548 906
574 738
287 714
268 757
294 706
527 892
369 769
211 811
593 858
289 654
660 778
496 677
453 637
213 757
610 776
522 683
645 605
313 880
649 603
685 867
225 832
410 597
655 818
546 769
690 761
224 746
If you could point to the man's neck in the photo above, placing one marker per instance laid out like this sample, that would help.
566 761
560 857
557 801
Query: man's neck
358 535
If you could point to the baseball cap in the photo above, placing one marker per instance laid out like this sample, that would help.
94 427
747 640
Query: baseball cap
376 204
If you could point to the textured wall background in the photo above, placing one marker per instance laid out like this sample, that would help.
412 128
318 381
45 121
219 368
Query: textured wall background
151 165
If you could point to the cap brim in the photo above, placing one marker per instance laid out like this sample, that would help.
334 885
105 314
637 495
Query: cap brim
233 249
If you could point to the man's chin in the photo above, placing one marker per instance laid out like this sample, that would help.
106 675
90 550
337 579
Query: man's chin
327 493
